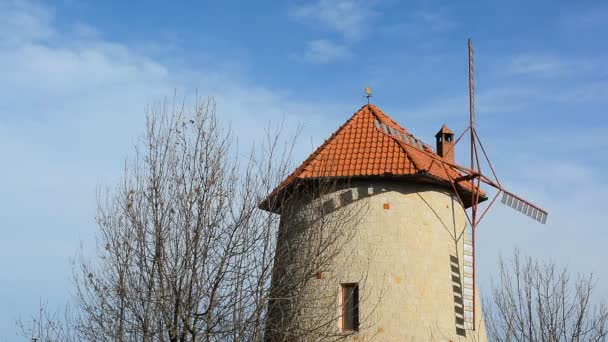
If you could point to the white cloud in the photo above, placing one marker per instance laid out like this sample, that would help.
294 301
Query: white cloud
423 25
350 18
542 65
537 65
584 93
593 17
435 20
325 51
72 108
23 20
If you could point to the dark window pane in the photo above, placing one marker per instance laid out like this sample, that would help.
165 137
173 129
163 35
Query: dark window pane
350 307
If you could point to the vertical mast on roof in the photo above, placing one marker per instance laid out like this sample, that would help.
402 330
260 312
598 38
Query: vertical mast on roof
475 176
475 193
471 93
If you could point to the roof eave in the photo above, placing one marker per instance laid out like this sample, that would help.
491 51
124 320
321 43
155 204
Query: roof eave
272 203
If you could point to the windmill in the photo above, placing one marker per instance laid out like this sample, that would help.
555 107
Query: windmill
474 174
399 178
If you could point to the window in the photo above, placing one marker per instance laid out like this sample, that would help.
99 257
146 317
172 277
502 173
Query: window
377 123
350 307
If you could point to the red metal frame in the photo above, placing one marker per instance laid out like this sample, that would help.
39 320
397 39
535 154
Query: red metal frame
474 175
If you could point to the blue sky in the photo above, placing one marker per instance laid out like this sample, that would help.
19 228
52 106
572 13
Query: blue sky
76 77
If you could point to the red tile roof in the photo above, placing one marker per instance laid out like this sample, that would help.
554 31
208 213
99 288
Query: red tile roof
371 144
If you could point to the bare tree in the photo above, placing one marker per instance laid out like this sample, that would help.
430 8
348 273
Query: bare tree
540 301
46 326
313 255
185 254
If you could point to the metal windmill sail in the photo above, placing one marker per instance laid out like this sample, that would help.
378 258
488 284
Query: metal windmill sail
475 175
472 179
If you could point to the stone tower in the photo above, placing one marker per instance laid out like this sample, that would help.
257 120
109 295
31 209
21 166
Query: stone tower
400 275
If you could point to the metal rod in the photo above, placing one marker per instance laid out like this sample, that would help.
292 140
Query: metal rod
487 158
489 206
460 137
475 189
456 191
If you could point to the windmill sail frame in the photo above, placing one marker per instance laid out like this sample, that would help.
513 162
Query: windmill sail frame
475 177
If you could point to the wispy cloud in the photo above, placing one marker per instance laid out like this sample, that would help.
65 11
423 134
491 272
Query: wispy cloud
546 65
351 18
593 17
435 20
323 51
73 105
422 24
583 93
558 80
24 20
537 65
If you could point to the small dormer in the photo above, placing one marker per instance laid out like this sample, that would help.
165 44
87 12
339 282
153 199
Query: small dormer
445 143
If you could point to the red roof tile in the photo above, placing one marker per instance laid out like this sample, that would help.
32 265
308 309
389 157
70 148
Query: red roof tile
370 143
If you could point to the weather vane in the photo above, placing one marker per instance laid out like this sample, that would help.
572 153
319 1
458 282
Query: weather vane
368 93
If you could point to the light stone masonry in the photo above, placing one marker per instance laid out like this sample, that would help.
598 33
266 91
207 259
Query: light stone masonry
410 256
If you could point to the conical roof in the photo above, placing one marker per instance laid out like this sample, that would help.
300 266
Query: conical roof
371 144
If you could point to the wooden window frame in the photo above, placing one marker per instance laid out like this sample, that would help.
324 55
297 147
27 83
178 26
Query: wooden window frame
343 287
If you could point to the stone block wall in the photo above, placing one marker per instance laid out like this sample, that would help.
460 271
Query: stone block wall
402 253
